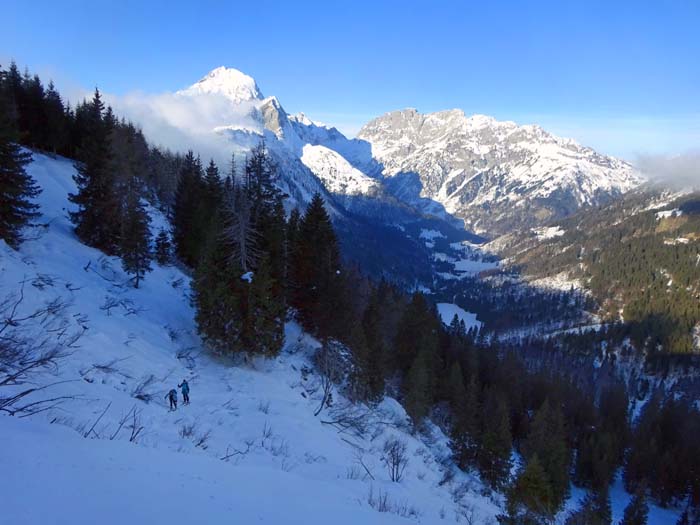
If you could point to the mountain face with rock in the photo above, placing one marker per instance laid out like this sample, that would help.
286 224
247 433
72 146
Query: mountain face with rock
496 176
312 158
470 174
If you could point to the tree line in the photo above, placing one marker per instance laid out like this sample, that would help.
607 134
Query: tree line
117 171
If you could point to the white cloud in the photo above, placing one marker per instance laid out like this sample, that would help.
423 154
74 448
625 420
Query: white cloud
181 122
678 170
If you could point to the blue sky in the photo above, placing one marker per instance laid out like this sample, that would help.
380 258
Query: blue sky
621 76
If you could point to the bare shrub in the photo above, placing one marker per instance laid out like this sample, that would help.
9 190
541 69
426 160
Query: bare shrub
186 356
264 407
109 304
141 392
379 501
266 435
201 440
395 458
133 417
327 371
30 343
353 472
91 430
136 427
350 418
187 430
467 513
109 367
382 503
234 452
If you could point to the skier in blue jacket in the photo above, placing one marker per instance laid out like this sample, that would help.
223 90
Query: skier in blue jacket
172 397
185 391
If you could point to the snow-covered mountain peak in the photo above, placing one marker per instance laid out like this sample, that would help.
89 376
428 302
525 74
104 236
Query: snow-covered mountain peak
229 82
495 174
301 118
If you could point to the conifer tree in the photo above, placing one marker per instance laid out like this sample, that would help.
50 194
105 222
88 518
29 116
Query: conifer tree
163 251
637 510
189 234
417 387
595 509
547 440
260 173
458 399
134 243
217 291
34 114
290 251
98 215
418 329
265 314
317 270
240 235
56 128
17 188
530 498
372 362
494 453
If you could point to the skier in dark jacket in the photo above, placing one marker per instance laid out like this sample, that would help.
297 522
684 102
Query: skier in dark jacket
172 397
185 391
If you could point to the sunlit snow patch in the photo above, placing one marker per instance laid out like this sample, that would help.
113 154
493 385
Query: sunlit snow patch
449 310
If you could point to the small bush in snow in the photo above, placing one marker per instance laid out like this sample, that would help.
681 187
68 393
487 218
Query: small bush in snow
395 458
187 430
382 503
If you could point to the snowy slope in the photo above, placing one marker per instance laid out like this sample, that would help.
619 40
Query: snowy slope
284 464
291 464
494 175
117 482
337 174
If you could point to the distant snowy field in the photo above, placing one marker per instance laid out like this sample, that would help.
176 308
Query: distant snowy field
284 465
448 311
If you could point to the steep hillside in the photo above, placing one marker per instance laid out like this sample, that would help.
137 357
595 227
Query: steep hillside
638 257
108 389
494 175
248 448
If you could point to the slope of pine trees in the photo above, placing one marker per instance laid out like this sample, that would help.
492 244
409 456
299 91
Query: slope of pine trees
16 187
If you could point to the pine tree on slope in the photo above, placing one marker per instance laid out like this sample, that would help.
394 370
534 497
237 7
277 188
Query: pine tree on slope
316 270
530 499
189 225
97 218
134 243
637 510
163 251
493 458
595 509
547 440
17 188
